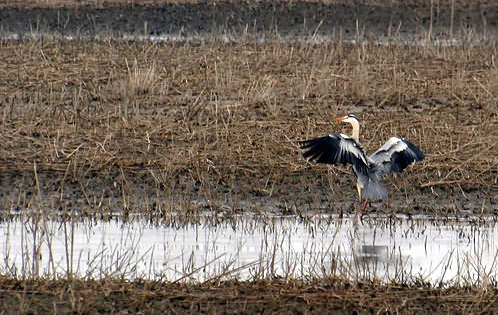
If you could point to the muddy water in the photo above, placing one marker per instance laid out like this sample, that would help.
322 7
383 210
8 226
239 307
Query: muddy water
245 247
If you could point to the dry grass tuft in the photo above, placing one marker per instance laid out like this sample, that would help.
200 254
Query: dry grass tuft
140 80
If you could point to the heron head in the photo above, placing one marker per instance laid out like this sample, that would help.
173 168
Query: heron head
349 118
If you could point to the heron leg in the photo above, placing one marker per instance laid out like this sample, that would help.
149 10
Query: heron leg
364 209
358 187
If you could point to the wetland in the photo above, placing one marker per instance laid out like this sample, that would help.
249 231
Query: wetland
150 176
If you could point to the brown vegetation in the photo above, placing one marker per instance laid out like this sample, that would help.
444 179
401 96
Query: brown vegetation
332 296
151 127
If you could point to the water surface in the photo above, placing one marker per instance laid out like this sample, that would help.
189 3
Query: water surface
246 247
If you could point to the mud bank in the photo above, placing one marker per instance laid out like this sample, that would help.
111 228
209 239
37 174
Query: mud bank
296 19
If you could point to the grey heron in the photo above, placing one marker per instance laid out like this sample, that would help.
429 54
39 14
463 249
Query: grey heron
337 148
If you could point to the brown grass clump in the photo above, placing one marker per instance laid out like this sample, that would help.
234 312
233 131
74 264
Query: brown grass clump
154 127
327 295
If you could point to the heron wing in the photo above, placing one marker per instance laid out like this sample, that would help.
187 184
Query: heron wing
336 148
395 155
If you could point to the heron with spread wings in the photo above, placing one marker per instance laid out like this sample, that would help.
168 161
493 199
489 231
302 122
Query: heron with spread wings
337 148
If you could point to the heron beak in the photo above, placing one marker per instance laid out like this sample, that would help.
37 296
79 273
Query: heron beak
340 118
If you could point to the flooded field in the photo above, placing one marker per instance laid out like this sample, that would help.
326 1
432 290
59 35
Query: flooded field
437 251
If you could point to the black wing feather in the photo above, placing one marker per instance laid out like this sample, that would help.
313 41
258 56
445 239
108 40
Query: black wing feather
396 154
401 160
336 149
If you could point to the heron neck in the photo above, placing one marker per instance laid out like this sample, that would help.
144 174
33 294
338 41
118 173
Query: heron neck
356 131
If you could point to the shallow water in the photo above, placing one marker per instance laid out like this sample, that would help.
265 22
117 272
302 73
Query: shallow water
413 40
245 247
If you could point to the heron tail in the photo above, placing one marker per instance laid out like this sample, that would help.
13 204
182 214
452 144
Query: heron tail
371 186
374 190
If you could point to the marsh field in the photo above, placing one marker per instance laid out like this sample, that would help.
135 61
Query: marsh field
150 160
